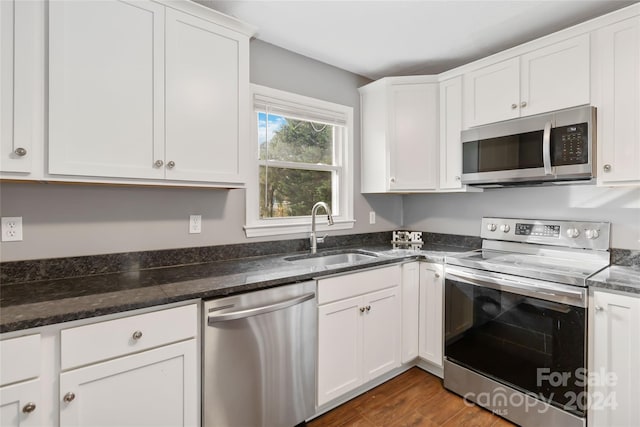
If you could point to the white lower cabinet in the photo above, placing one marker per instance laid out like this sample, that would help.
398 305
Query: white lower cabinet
431 314
136 370
20 393
410 310
614 359
153 388
359 329
19 404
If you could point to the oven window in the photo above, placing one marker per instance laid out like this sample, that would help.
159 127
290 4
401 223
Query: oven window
524 342
520 151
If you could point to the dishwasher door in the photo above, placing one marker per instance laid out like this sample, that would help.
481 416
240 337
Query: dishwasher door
259 358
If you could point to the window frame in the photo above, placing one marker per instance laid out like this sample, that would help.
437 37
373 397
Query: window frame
257 227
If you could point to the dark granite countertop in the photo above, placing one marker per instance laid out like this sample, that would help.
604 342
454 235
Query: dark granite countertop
45 302
618 278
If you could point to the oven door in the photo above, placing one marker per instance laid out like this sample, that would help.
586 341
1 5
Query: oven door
523 333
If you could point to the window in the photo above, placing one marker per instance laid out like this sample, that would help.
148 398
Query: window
303 155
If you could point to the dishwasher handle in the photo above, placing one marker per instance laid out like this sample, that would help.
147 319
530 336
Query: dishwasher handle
241 314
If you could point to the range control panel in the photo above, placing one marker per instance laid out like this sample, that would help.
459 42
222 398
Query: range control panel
573 234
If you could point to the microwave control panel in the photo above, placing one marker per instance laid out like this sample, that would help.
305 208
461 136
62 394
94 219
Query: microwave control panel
569 145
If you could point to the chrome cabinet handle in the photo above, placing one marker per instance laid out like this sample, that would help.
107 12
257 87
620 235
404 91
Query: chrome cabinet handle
171 164
137 335
69 397
598 308
362 309
437 275
20 152
514 106
523 104
158 163
607 168
29 408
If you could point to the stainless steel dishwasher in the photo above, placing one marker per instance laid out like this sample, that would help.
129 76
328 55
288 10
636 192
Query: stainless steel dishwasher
259 358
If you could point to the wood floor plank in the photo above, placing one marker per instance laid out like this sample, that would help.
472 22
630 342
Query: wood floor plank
413 399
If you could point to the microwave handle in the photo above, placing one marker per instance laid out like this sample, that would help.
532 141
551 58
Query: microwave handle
546 149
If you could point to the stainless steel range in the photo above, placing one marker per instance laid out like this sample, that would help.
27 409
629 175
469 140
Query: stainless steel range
515 318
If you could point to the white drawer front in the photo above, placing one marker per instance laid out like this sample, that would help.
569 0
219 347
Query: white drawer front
358 283
19 359
105 340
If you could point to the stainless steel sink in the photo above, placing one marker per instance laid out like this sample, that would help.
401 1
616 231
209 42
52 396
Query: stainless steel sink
332 258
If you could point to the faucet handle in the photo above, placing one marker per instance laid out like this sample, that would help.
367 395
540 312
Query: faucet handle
321 239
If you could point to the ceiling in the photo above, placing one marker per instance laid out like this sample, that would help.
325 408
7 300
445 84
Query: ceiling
376 38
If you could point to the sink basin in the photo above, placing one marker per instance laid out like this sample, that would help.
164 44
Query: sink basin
332 258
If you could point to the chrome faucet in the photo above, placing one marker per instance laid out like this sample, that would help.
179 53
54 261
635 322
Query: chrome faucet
313 238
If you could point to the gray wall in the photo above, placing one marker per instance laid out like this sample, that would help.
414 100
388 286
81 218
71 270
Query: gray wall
460 213
72 220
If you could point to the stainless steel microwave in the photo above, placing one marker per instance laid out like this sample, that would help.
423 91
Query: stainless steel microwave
558 147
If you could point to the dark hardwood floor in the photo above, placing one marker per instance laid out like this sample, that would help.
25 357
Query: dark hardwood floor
414 398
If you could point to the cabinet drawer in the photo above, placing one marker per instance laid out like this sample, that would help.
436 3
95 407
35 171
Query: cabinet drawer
349 285
19 359
105 340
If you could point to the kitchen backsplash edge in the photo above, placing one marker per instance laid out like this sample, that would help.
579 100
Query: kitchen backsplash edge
59 268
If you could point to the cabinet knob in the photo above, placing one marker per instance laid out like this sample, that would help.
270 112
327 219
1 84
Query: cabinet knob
457 178
598 308
158 163
523 104
137 335
29 408
514 106
21 152
368 308
437 276
171 164
362 309
607 168
69 397
392 180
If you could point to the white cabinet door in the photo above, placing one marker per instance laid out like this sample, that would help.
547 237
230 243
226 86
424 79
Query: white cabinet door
555 77
18 83
450 127
413 141
410 310
381 332
431 312
339 348
153 388
616 352
206 87
19 405
106 78
617 87
492 93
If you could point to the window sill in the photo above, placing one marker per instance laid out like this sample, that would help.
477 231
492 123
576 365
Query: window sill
262 230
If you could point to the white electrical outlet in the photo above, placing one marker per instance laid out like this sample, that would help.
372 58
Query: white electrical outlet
12 229
195 224
372 217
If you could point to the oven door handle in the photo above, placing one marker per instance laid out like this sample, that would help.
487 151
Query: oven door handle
540 291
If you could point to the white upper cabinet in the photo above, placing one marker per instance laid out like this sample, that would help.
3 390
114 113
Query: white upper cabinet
106 88
18 85
546 79
163 95
205 65
450 127
399 135
492 93
616 87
